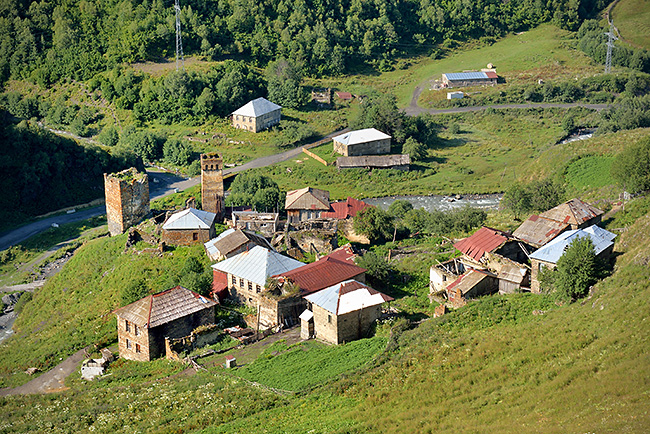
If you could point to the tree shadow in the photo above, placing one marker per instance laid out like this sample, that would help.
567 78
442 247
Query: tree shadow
452 143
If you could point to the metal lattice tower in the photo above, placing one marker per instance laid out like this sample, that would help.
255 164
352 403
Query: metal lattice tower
610 45
179 42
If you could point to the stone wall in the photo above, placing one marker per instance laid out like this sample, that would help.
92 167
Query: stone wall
212 194
186 237
344 328
257 124
368 148
127 199
134 344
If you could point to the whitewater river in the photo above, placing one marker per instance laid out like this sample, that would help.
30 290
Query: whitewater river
441 203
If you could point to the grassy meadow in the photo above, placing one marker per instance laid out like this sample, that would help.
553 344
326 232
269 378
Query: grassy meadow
632 18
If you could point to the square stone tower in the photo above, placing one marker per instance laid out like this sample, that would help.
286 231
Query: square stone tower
212 197
127 199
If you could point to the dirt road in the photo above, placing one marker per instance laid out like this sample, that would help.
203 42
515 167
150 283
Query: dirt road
414 110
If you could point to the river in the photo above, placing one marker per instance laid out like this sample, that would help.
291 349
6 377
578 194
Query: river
441 203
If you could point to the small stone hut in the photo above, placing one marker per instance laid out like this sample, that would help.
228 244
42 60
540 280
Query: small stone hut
189 226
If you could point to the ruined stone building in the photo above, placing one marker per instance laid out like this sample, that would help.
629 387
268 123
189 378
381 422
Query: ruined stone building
142 326
212 195
127 199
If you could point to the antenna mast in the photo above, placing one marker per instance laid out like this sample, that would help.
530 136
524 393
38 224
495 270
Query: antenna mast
610 44
179 42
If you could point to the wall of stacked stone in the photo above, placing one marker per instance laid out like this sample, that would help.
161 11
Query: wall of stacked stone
127 199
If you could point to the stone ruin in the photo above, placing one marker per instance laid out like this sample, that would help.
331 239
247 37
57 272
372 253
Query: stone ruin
127 199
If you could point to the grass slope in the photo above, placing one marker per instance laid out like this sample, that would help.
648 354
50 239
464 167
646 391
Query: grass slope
632 18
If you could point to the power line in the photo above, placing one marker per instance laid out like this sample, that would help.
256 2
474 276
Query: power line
179 42
610 44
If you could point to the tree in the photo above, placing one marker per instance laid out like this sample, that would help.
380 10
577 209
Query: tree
399 208
380 112
109 136
577 269
631 168
518 199
376 266
254 189
416 150
177 152
374 223
284 78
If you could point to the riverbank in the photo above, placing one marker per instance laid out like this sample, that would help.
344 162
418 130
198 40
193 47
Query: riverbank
441 203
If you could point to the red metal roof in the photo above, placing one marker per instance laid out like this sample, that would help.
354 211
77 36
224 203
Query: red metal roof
344 95
342 210
483 240
491 74
327 271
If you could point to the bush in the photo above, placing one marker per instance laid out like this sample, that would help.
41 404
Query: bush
577 269
631 168
22 301
416 150
374 223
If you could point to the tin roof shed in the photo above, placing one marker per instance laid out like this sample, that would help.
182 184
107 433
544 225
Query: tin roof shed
554 250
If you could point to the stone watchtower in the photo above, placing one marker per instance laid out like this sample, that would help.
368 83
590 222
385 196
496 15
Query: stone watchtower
212 184
127 199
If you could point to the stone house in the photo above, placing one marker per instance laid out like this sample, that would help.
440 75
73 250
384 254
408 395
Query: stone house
538 230
127 199
479 248
342 312
443 273
143 325
263 222
246 277
548 255
475 78
189 226
397 161
306 204
257 115
368 141
232 242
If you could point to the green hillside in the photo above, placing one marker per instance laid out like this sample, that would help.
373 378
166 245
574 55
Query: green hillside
632 18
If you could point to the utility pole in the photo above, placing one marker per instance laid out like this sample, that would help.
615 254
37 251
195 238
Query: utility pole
610 44
179 42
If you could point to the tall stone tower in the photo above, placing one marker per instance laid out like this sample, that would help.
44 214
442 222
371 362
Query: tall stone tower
127 199
212 184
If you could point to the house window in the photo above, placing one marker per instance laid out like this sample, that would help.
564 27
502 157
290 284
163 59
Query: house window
128 344
257 288
233 279
241 282
127 326
135 330
250 286
444 278
195 236
329 319
137 348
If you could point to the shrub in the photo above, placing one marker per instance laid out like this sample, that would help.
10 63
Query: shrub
22 301
631 168
577 269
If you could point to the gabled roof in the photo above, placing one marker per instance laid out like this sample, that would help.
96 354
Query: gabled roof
308 198
361 136
325 272
512 272
483 240
342 210
257 264
539 230
373 161
468 281
346 297
466 75
344 253
190 218
164 307
257 107
554 250
574 212
232 239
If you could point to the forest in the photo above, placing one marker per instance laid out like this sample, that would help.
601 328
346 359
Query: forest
46 41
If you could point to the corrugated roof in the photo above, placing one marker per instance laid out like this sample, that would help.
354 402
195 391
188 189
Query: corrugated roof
491 74
345 209
483 240
162 308
320 274
257 264
232 239
465 75
308 198
574 211
539 230
344 253
344 95
346 297
554 250
373 161
190 218
512 272
361 136
468 281
257 107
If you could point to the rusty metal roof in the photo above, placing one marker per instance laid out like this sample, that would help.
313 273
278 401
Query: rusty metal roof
164 307
483 240
308 198
538 231
574 212
343 210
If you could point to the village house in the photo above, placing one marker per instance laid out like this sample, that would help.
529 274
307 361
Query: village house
464 79
345 209
362 142
344 96
472 284
443 273
538 230
342 312
189 226
263 222
142 326
484 245
232 242
246 275
548 255
397 161
306 204
257 115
